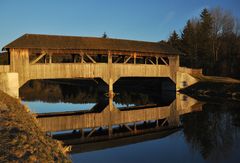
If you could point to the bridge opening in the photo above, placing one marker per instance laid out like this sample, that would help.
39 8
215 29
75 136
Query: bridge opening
40 56
145 91
91 94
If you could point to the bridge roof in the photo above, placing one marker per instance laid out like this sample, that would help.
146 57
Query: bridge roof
37 41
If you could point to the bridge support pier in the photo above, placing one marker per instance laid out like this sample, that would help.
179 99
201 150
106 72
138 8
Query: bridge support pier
110 81
9 83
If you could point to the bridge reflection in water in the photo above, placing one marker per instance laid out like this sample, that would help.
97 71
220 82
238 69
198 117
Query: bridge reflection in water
106 126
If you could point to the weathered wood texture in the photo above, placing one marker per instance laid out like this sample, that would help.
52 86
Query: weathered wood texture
113 117
185 77
19 62
90 70
190 70
4 68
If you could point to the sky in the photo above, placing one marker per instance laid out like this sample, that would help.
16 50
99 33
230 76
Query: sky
148 20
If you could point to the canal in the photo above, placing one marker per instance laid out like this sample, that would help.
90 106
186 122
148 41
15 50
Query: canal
147 124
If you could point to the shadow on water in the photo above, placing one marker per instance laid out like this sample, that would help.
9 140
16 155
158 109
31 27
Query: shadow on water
137 115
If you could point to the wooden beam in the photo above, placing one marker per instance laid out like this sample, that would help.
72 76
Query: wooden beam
93 130
38 58
91 58
118 59
151 61
128 59
164 122
127 127
164 61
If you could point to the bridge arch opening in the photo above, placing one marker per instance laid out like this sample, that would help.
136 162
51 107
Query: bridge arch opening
159 91
94 91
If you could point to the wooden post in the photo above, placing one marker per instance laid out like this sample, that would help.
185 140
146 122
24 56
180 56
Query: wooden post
50 58
110 88
110 130
110 81
74 56
135 127
174 65
145 60
157 60
82 57
82 133
109 57
134 58
45 59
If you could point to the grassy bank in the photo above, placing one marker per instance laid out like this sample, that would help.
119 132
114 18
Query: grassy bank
21 139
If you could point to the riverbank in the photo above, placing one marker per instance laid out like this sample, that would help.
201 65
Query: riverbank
212 91
21 139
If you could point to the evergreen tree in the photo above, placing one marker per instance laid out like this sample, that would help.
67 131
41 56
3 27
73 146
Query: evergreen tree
104 35
211 42
204 40
189 44
174 40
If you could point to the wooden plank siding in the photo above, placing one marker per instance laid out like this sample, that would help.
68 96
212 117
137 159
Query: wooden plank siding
91 70
104 118
19 63
4 68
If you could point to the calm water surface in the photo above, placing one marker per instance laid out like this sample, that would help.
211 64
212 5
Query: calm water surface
211 134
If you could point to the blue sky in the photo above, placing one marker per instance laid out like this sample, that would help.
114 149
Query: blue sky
149 20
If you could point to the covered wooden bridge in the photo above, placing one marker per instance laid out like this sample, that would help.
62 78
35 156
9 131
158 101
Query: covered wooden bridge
34 56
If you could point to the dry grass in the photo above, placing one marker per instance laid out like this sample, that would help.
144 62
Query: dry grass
21 139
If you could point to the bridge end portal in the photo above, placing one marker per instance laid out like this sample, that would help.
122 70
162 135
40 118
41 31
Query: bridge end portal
9 83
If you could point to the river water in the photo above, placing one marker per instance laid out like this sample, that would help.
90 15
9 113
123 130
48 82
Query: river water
195 131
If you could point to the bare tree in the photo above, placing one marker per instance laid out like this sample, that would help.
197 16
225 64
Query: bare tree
223 24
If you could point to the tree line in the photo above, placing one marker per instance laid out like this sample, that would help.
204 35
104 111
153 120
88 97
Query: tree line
211 42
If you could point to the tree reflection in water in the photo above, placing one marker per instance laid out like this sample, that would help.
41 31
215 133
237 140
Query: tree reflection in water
213 132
